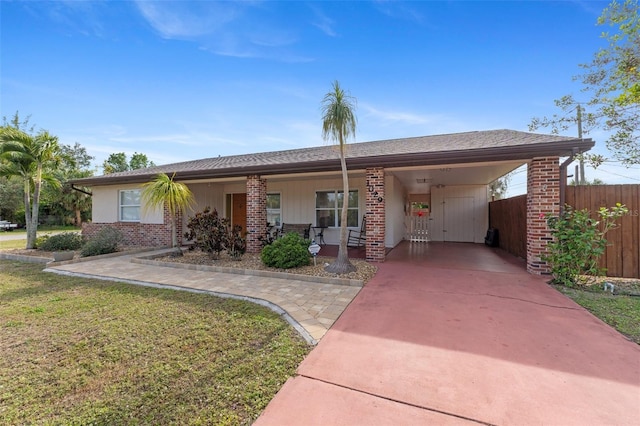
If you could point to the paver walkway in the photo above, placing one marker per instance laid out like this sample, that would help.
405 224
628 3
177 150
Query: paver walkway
310 307
457 334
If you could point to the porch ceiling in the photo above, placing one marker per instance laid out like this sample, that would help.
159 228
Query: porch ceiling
419 180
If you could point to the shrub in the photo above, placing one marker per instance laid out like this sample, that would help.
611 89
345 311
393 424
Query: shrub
213 234
288 252
59 242
105 241
208 232
579 242
236 245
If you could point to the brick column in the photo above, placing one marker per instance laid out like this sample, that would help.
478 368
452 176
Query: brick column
256 212
375 251
543 196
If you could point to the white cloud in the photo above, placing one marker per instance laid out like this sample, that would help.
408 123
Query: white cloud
323 22
400 116
188 20
399 10
235 29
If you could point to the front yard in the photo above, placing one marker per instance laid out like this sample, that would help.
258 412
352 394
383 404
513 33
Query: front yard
621 311
81 351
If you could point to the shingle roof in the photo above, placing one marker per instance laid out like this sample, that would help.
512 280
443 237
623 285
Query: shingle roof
492 145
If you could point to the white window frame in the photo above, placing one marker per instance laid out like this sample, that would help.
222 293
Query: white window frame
121 205
277 211
337 209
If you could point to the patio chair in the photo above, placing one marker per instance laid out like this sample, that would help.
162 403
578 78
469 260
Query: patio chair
358 238
302 229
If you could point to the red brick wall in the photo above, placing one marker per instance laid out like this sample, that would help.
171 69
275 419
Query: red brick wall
375 202
256 212
139 234
543 197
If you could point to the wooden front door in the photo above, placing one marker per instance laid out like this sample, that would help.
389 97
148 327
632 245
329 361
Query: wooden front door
239 210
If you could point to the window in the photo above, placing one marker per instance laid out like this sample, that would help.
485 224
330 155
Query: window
273 210
329 208
130 205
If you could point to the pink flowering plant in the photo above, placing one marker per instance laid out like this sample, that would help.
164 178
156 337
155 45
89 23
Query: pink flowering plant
579 243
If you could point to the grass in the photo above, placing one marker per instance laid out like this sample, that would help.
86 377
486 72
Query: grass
619 311
48 228
12 244
22 242
81 351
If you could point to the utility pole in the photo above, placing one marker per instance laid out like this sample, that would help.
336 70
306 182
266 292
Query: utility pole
582 180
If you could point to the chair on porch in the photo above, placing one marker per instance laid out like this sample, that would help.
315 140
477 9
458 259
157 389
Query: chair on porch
302 229
358 238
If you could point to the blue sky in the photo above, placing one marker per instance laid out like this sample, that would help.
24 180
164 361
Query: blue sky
186 80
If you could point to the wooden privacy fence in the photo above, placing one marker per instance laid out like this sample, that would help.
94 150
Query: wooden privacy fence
622 257
509 217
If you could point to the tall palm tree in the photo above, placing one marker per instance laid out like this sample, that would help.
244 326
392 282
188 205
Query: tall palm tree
29 157
338 124
164 191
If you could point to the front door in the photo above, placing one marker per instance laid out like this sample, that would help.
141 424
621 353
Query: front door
239 210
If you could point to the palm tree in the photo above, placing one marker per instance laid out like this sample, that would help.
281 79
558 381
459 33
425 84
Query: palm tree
29 157
164 191
338 124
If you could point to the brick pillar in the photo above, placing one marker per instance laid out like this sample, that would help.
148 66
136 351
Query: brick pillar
256 212
375 250
543 196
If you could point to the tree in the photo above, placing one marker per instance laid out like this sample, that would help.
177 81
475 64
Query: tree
117 162
595 181
163 192
338 124
498 188
10 199
65 202
29 157
612 80
139 161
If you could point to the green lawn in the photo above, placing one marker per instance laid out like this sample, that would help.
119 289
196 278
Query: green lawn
619 311
21 243
45 229
12 244
81 351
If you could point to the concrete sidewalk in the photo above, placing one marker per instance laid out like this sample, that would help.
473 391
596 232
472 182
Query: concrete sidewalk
443 337
310 307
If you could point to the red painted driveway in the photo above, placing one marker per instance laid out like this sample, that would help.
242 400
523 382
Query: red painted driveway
459 334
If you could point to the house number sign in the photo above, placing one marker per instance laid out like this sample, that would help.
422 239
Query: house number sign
372 189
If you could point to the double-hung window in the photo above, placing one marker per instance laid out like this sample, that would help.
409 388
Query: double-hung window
129 205
274 212
329 208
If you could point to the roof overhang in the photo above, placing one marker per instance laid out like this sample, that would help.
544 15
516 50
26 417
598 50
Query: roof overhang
525 152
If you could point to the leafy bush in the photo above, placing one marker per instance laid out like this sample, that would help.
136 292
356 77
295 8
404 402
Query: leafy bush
288 252
59 242
105 241
236 245
213 234
579 242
